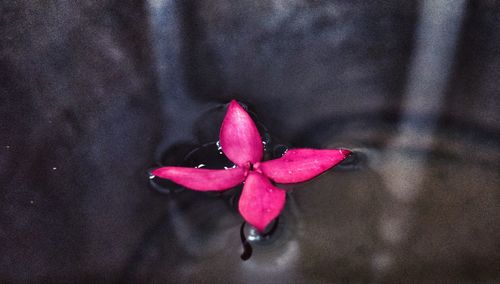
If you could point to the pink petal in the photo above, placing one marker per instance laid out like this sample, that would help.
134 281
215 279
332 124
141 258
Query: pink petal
239 138
298 165
202 179
260 201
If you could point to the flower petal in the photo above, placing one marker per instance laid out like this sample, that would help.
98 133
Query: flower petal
202 179
260 201
239 137
298 165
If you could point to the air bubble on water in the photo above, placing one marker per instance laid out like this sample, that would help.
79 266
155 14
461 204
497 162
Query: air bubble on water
54 168
279 150
7 147
31 201
200 166
266 138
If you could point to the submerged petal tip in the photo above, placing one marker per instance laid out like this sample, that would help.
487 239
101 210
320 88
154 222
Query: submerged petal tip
233 103
345 152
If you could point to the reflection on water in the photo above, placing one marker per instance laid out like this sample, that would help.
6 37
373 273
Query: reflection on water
437 35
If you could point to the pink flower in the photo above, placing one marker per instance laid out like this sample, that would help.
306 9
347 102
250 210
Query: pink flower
260 201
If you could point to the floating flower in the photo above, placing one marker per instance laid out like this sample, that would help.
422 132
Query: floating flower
260 201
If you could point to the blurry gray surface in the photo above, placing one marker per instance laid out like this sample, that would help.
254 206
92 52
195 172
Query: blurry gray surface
91 93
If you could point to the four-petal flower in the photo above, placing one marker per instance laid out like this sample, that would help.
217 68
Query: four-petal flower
260 201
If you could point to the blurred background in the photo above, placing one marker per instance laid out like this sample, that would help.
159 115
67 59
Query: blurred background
93 93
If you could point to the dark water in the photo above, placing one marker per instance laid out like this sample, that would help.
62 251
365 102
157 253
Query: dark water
92 95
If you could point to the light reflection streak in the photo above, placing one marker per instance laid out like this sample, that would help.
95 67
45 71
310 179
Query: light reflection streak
167 38
436 39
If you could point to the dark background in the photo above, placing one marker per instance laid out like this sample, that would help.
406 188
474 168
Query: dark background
92 92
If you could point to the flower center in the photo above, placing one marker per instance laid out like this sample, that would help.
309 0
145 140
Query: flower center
252 168
256 167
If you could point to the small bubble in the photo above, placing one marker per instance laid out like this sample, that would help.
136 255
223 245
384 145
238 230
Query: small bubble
54 168
31 201
219 147
200 166
7 147
151 176
253 238
264 134
280 150
253 235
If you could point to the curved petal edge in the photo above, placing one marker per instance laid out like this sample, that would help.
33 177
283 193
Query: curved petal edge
260 202
202 179
239 137
298 165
